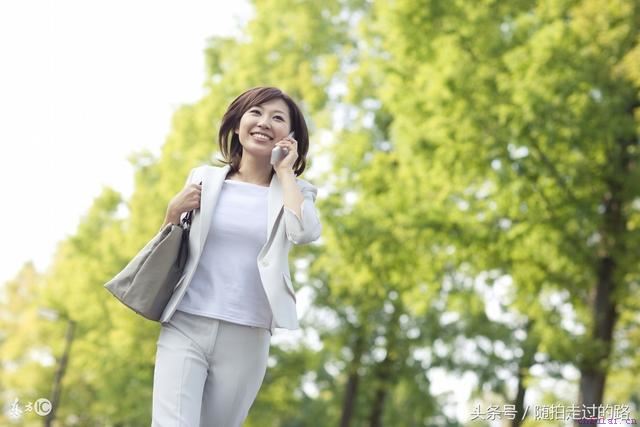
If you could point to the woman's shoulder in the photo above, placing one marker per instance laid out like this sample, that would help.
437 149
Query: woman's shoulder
306 185
197 173
210 166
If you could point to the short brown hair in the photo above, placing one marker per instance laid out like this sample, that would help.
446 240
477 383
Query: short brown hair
229 141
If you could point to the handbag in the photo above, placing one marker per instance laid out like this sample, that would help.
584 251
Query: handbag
146 284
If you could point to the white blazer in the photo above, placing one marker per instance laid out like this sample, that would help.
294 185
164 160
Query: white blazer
283 230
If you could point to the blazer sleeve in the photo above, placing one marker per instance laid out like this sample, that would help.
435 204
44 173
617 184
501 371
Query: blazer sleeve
307 228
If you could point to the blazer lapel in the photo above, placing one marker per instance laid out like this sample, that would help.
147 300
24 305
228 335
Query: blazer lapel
211 185
275 203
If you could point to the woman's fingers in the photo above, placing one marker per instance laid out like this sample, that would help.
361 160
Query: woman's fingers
196 195
188 199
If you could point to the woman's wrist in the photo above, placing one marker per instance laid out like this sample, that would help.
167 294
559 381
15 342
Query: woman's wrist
172 218
285 171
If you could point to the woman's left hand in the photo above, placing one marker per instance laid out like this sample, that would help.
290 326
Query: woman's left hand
286 164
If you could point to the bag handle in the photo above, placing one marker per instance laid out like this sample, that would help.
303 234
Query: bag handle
186 221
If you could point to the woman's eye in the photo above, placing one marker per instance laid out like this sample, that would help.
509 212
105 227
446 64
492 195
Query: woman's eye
255 111
279 118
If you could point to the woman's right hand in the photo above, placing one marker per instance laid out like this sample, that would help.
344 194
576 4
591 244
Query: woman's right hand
187 199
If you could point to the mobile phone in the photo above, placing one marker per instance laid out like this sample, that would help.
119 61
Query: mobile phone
279 153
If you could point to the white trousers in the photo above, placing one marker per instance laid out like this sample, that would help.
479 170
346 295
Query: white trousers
208 371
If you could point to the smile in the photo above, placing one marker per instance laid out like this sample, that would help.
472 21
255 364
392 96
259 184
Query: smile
261 136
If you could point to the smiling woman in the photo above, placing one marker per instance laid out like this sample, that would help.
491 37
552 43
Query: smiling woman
261 125
262 110
260 115
236 287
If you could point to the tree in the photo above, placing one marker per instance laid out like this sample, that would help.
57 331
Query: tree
529 112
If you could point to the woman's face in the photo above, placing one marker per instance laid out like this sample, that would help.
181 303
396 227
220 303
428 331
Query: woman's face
264 125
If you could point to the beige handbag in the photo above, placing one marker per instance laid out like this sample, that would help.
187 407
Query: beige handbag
145 285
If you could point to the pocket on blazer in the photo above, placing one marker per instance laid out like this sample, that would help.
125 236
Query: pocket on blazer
288 285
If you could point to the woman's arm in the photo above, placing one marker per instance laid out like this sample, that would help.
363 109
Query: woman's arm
302 224
173 215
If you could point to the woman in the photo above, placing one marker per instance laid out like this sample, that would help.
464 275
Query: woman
214 341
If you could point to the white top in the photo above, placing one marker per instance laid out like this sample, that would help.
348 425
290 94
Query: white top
226 284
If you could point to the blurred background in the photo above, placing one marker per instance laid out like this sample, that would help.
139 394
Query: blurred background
479 188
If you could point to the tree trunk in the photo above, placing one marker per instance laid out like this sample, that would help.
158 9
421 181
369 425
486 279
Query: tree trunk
383 375
519 402
62 367
529 348
353 381
593 375
350 394
383 378
594 371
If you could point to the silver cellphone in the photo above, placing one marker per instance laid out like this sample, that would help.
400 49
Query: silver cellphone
278 153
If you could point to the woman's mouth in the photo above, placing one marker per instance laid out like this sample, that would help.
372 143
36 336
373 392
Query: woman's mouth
261 137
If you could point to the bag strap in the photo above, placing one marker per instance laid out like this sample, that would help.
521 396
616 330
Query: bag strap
186 221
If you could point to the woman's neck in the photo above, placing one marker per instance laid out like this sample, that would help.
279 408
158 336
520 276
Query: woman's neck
250 171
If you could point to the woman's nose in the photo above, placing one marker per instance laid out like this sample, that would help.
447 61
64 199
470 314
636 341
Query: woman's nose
264 122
